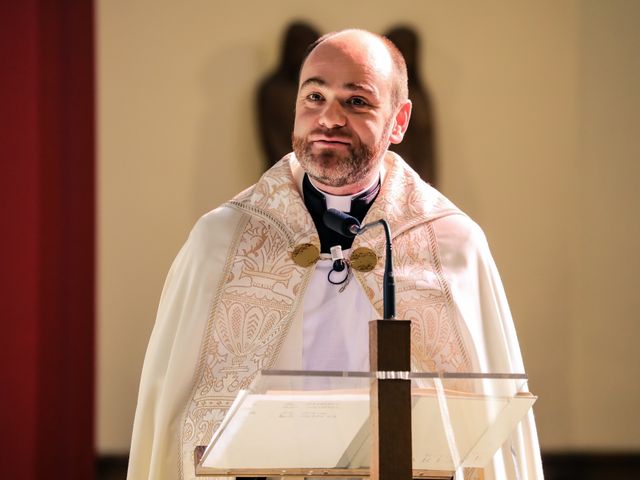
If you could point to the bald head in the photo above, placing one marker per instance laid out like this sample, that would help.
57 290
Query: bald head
378 51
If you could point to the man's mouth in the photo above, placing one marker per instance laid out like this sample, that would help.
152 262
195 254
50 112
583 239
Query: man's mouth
330 142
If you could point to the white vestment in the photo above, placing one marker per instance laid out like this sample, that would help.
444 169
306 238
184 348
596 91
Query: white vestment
234 295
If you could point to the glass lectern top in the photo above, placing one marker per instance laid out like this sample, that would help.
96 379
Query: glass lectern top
304 422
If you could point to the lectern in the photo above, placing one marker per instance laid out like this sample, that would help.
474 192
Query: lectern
319 424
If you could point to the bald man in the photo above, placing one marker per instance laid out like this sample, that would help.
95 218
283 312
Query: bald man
255 286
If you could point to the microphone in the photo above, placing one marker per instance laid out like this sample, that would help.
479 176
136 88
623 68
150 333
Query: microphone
340 222
349 226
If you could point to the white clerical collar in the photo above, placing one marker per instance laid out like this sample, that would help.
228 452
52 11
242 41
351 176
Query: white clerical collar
342 202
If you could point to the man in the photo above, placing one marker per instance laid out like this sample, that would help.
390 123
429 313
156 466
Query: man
254 286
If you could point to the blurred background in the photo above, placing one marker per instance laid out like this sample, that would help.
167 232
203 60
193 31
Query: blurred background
123 121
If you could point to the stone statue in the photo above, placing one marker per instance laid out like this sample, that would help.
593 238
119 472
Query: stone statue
277 93
418 146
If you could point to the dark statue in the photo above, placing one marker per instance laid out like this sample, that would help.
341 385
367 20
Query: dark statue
277 93
418 146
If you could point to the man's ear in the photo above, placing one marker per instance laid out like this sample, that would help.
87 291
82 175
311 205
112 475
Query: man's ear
401 122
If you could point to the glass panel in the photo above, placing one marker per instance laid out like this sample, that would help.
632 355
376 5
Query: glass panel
305 422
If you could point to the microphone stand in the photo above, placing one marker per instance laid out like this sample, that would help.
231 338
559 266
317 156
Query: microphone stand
388 282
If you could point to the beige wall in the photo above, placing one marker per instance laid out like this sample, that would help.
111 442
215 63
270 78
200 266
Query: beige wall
536 110
606 302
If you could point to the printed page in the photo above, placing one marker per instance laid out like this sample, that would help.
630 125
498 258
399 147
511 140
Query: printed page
288 431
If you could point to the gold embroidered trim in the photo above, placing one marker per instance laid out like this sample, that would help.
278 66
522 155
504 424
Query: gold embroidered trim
464 347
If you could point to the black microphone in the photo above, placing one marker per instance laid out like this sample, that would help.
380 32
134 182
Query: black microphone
349 226
340 222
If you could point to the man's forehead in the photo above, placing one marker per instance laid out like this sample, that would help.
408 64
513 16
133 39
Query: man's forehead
351 53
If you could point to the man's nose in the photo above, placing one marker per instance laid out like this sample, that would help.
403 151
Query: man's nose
333 115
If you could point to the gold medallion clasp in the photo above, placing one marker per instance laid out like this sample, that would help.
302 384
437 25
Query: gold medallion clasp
363 259
305 254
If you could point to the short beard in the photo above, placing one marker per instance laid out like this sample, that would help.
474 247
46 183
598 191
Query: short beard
338 170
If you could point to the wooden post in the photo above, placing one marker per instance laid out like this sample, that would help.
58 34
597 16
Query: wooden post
389 351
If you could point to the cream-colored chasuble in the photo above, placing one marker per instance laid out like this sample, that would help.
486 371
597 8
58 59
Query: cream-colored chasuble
234 294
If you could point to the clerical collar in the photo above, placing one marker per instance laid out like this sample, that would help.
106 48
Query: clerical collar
356 205
343 202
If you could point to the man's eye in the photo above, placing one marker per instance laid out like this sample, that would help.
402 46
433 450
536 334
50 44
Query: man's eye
314 97
357 102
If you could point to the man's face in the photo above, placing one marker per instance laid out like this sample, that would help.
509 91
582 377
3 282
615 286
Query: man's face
344 114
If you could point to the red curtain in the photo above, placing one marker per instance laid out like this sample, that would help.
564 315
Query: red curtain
47 189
